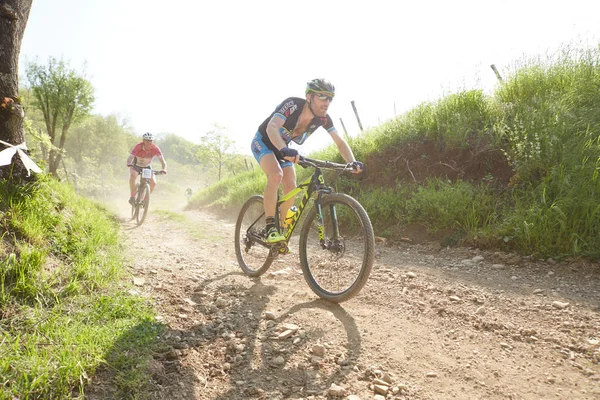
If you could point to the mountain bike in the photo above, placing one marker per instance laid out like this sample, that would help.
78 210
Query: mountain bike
337 244
139 208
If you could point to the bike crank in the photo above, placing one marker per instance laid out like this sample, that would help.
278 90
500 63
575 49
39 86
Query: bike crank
281 248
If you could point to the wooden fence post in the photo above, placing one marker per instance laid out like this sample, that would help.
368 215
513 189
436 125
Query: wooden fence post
356 113
346 136
493 67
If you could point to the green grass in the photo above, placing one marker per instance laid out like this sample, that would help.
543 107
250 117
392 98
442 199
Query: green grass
64 311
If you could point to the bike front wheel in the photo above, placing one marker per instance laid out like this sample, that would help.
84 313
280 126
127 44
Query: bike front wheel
143 202
134 210
337 251
134 206
253 255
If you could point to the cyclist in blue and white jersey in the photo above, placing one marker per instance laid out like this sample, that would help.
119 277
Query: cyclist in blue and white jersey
294 119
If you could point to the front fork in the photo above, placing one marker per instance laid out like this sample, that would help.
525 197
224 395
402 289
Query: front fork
335 234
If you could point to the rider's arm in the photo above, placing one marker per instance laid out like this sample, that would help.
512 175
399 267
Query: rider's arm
163 162
273 129
130 159
342 146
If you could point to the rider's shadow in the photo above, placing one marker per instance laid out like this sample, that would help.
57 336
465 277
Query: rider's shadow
269 365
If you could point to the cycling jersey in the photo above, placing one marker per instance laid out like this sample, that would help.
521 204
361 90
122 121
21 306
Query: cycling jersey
145 155
290 110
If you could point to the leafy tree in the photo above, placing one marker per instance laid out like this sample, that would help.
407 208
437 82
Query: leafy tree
13 20
176 148
102 140
213 149
64 97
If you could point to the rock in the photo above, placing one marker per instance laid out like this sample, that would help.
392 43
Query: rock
269 315
431 375
315 360
285 334
138 281
290 327
278 361
190 302
411 275
220 302
318 350
335 390
381 382
480 311
381 389
559 305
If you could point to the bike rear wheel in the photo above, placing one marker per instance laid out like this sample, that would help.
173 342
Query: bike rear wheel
337 266
143 201
252 254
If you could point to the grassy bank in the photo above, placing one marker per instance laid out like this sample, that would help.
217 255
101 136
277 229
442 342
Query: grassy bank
63 309
516 169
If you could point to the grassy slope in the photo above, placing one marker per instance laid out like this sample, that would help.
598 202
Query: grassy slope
515 170
63 309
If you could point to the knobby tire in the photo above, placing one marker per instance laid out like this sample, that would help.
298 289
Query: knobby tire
143 201
254 258
339 273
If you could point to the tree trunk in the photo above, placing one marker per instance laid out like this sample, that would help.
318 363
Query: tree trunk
13 20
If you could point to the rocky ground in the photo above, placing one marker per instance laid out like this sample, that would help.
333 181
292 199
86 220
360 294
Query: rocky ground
431 323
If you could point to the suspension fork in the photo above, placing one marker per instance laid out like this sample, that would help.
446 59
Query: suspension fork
335 233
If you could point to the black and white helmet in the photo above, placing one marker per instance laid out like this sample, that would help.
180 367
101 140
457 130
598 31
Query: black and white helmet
320 86
148 136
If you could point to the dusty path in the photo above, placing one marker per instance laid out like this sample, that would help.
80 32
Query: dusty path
431 323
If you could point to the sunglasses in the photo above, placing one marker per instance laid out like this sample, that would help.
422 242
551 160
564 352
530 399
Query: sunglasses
322 96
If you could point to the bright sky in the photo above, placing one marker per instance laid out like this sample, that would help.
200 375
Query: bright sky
179 66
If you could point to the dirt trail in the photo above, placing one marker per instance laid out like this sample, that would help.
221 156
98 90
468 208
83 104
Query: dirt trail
431 323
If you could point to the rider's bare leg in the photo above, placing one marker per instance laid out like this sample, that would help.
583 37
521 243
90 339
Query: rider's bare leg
272 169
132 177
289 183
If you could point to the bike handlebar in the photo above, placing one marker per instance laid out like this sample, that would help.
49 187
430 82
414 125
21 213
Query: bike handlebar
154 171
309 162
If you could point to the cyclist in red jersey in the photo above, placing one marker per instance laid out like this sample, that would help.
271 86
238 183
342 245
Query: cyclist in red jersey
142 155
295 119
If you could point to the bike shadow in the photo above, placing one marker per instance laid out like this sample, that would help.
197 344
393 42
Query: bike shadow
269 365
